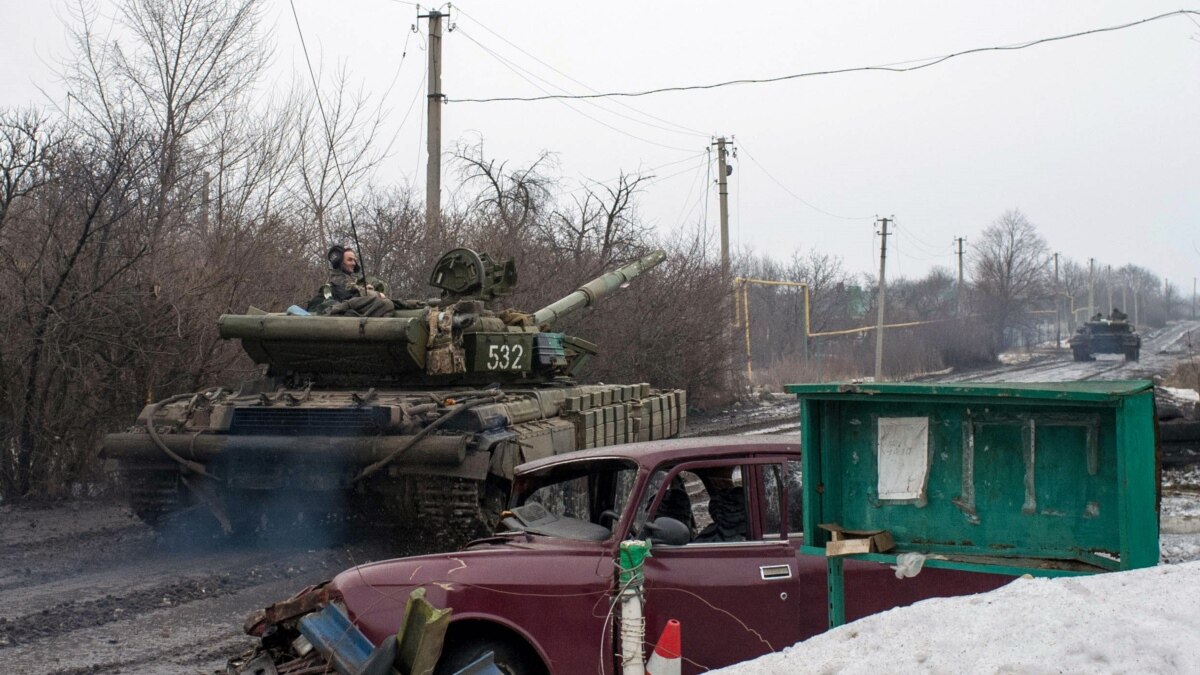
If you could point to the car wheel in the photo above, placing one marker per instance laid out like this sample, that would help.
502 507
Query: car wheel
509 657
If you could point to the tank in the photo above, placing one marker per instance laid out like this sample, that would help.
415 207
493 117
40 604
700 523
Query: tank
1114 335
413 421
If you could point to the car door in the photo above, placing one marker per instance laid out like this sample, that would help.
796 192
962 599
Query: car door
734 589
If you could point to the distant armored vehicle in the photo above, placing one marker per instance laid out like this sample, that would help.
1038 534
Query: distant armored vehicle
1106 336
412 420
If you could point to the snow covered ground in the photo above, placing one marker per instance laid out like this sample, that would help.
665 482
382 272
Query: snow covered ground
1142 621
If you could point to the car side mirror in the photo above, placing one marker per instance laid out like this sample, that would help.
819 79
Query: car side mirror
664 530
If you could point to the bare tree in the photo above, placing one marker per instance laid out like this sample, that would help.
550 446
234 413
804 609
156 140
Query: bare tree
1009 272
337 149
27 140
53 278
515 198
191 60
603 219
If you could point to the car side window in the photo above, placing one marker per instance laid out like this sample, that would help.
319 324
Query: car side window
795 497
566 498
772 482
711 501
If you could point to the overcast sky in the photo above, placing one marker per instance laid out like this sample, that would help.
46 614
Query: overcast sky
1095 139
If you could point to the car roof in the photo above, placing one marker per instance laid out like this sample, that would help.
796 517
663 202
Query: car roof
652 453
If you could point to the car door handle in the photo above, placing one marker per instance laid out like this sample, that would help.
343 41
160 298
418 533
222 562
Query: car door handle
772 572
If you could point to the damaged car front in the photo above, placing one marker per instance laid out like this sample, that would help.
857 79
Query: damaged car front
531 596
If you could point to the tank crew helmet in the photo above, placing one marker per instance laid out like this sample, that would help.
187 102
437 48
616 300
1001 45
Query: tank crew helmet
335 255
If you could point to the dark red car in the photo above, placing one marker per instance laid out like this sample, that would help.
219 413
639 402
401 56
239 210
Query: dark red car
542 594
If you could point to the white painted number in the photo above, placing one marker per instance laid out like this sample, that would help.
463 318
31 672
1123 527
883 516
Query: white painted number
504 357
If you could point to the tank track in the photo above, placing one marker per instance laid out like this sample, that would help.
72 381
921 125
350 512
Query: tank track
154 491
442 509
451 508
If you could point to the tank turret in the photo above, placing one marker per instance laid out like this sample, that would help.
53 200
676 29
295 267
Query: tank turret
453 340
413 420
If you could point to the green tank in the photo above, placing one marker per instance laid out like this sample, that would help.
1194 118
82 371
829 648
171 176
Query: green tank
414 420
1106 336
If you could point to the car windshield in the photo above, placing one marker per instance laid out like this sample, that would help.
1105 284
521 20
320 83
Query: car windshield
579 500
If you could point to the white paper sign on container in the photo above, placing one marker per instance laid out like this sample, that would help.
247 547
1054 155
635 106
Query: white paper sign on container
903 457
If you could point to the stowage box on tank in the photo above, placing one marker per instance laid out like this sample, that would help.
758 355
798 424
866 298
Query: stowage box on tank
413 420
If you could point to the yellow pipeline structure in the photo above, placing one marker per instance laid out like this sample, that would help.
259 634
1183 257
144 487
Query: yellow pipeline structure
744 313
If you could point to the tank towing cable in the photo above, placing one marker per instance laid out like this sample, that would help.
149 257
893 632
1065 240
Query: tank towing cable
201 489
477 398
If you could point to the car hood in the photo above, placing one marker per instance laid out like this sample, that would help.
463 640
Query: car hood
478 582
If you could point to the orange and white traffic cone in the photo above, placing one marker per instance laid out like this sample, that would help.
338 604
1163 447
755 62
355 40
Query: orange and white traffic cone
667 658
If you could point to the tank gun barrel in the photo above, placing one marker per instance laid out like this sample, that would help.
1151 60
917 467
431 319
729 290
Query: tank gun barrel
589 293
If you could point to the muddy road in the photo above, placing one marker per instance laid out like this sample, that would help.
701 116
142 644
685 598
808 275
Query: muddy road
87 588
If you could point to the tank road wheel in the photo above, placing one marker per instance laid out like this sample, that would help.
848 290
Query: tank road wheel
510 656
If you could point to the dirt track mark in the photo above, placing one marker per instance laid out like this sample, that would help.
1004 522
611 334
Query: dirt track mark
67 616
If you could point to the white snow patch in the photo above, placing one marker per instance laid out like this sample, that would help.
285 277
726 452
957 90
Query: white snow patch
1183 394
1014 358
1141 621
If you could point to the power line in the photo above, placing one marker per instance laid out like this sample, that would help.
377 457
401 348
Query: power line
688 199
640 171
892 68
518 71
362 269
795 196
681 128
707 188
924 246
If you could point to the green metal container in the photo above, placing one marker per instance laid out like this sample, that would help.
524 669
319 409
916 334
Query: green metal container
1043 478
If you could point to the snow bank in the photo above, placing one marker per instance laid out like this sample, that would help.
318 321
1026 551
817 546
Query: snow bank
1143 621
1183 394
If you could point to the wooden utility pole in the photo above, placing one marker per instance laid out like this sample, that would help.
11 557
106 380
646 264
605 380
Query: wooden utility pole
433 142
723 190
1057 307
1108 283
958 310
1137 289
205 197
882 297
1091 288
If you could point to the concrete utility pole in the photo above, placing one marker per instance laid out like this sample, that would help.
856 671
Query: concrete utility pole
1091 288
882 296
1137 289
1108 283
1193 298
1057 307
723 171
958 310
433 142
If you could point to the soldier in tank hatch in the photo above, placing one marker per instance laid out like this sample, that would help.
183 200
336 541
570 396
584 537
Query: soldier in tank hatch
348 293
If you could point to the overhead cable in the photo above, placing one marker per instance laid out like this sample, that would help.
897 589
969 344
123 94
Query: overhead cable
814 207
891 68
518 71
679 128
